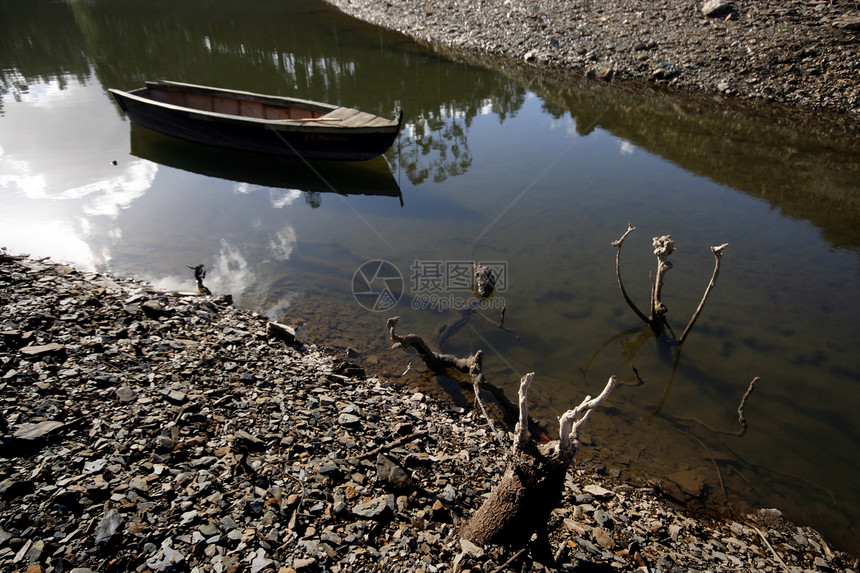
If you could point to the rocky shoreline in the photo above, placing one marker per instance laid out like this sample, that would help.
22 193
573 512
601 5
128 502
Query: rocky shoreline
145 430
804 53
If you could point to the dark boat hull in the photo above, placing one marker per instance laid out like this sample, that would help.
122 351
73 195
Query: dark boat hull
271 137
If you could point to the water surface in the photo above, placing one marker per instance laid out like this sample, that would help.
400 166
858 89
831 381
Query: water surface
498 164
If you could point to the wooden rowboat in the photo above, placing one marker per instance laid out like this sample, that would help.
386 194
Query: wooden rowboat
258 123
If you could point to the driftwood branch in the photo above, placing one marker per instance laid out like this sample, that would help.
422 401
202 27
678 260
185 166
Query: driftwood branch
718 252
619 243
434 360
521 431
440 363
663 247
532 485
741 416
570 422
391 445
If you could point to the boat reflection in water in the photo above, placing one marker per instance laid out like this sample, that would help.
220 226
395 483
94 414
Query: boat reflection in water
371 177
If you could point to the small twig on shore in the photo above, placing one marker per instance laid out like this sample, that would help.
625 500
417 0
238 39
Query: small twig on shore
199 275
769 546
394 444
408 368
510 561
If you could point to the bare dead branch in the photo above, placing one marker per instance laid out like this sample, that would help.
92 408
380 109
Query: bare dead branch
663 247
440 363
476 390
769 546
435 361
521 431
741 418
619 243
718 251
391 445
521 502
570 422
504 566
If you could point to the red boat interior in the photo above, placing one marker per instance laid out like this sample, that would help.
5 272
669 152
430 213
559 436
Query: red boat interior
232 106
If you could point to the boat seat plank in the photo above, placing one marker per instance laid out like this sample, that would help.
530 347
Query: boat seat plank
359 119
379 122
341 113
348 117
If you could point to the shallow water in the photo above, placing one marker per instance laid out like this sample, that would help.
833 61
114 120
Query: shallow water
534 174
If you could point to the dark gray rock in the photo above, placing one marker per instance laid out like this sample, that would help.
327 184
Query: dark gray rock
391 474
37 431
153 309
376 508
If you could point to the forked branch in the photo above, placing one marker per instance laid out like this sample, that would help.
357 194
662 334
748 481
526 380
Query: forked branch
570 422
664 246
522 501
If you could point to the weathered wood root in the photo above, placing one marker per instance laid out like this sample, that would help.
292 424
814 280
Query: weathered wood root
663 247
441 363
533 483
199 275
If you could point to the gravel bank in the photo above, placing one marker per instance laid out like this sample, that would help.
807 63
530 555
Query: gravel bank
161 431
799 52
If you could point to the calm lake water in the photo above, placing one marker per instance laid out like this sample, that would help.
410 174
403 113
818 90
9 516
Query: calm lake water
531 173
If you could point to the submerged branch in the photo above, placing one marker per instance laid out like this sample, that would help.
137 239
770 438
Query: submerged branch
718 252
439 363
619 243
741 417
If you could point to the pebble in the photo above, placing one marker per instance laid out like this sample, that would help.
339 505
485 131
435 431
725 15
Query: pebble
149 453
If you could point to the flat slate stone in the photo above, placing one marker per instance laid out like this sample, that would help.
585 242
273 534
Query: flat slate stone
42 349
31 432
